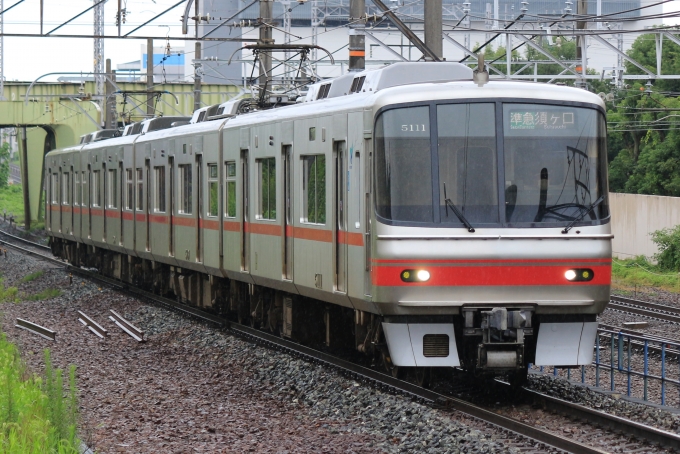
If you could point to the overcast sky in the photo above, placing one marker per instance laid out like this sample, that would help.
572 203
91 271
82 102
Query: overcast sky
26 59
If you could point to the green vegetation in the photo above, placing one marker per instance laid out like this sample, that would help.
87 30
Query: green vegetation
668 242
32 276
34 415
644 139
8 294
12 295
46 294
638 272
12 202
4 165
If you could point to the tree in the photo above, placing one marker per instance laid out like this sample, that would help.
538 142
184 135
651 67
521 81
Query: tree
643 51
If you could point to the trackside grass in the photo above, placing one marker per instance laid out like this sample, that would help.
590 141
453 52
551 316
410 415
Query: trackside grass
630 274
35 416
12 203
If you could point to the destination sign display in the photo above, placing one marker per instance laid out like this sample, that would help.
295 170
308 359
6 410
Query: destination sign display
542 119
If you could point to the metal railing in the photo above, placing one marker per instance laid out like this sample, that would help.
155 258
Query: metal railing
625 360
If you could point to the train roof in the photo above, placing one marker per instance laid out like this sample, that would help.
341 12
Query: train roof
400 83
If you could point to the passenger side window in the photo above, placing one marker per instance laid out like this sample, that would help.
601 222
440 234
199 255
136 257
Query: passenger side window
267 188
83 188
314 189
112 195
140 190
159 195
129 190
185 189
213 191
230 198
65 188
55 188
96 199
78 188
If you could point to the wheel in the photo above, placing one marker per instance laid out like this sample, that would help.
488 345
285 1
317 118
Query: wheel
394 371
423 376
518 378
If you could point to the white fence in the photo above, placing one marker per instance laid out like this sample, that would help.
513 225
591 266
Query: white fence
635 216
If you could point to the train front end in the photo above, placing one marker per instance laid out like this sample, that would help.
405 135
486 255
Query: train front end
491 242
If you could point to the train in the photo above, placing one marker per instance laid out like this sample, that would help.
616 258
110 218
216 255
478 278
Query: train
408 213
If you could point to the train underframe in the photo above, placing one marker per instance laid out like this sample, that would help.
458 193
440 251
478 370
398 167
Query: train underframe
490 341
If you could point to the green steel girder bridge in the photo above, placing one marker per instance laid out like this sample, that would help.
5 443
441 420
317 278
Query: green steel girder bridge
57 114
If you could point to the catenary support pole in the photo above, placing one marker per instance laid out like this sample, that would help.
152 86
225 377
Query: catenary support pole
110 118
357 37
266 9
433 26
197 77
149 76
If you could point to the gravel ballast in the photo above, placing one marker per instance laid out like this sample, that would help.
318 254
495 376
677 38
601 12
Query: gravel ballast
190 388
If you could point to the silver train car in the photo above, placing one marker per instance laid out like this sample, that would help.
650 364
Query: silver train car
405 212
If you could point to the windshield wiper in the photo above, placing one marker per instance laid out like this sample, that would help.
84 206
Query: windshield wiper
583 214
448 203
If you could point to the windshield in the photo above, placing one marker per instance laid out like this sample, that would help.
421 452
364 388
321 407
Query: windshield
466 135
554 163
404 168
443 164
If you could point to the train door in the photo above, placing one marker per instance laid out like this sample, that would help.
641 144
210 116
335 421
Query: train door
106 197
72 198
340 221
245 209
199 207
89 207
288 213
122 188
367 224
171 236
60 197
147 170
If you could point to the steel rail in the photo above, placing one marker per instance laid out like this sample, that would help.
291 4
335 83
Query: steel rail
382 380
36 329
24 240
134 332
653 310
93 326
615 423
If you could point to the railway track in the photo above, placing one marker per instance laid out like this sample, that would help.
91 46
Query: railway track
386 382
645 308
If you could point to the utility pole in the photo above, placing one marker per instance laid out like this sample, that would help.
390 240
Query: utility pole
316 19
197 76
149 77
99 54
266 13
466 24
433 27
286 38
357 37
109 113
582 11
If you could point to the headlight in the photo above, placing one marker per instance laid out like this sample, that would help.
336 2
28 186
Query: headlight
415 275
579 275
423 275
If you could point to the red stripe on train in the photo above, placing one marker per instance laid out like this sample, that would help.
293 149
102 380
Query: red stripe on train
232 226
441 276
436 261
